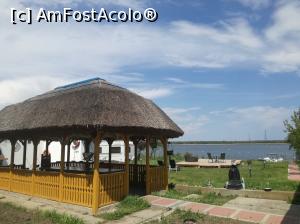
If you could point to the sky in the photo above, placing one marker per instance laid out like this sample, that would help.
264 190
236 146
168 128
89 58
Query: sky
222 70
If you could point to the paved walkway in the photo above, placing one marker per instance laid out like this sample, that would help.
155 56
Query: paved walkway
247 209
44 204
226 212
293 172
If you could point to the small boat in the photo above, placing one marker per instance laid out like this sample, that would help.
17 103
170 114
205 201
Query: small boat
273 157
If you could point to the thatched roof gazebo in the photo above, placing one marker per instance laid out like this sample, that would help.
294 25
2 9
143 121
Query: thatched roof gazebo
91 110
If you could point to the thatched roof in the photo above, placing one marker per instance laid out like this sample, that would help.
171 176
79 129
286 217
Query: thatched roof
86 107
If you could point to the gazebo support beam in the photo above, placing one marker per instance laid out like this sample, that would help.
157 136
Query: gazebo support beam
147 165
109 142
164 142
48 142
24 153
135 143
35 148
96 175
62 167
126 142
12 160
68 153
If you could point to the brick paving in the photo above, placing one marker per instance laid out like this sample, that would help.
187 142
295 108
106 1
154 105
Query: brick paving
251 216
293 172
222 212
219 211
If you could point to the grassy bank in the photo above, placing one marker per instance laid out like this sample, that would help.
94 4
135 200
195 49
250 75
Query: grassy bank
207 198
11 213
180 216
274 175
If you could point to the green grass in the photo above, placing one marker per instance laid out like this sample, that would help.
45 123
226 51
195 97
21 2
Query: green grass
12 213
274 175
179 216
61 218
127 206
207 198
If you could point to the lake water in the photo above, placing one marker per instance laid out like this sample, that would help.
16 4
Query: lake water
244 151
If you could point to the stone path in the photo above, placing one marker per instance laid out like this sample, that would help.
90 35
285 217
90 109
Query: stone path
247 209
293 172
233 212
43 204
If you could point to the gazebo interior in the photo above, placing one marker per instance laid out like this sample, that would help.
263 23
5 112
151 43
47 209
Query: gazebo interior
91 111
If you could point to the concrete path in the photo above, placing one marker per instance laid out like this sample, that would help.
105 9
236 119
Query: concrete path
230 211
247 209
293 172
144 216
43 204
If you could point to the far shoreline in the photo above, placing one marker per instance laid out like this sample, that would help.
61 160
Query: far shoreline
228 142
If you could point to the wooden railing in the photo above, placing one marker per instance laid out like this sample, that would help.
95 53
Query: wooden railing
46 185
4 178
157 180
111 188
78 189
137 174
21 181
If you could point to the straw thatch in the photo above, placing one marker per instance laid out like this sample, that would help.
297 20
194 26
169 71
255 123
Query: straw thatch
85 108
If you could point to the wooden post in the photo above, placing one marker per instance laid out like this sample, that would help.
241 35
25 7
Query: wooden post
35 148
48 142
62 168
164 142
12 160
12 153
87 145
135 143
109 142
148 184
24 153
68 154
126 184
96 175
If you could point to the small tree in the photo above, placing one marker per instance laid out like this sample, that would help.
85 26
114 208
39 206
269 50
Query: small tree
292 128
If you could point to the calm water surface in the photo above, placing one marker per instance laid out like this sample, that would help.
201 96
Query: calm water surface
236 151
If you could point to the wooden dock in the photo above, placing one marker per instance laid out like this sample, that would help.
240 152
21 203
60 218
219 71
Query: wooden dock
209 164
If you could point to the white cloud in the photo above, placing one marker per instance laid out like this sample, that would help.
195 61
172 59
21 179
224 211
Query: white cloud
283 39
255 4
99 3
16 90
153 93
78 49
179 83
231 123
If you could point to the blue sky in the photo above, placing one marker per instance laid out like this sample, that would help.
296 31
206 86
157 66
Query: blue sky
223 70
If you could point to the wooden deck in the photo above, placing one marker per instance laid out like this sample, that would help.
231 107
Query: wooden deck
209 164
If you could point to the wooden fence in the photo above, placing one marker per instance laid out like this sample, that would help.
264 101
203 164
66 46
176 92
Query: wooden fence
111 188
78 188
21 181
157 180
4 178
46 185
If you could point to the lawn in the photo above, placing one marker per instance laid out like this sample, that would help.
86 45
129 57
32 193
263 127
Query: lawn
207 198
274 175
180 216
11 213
